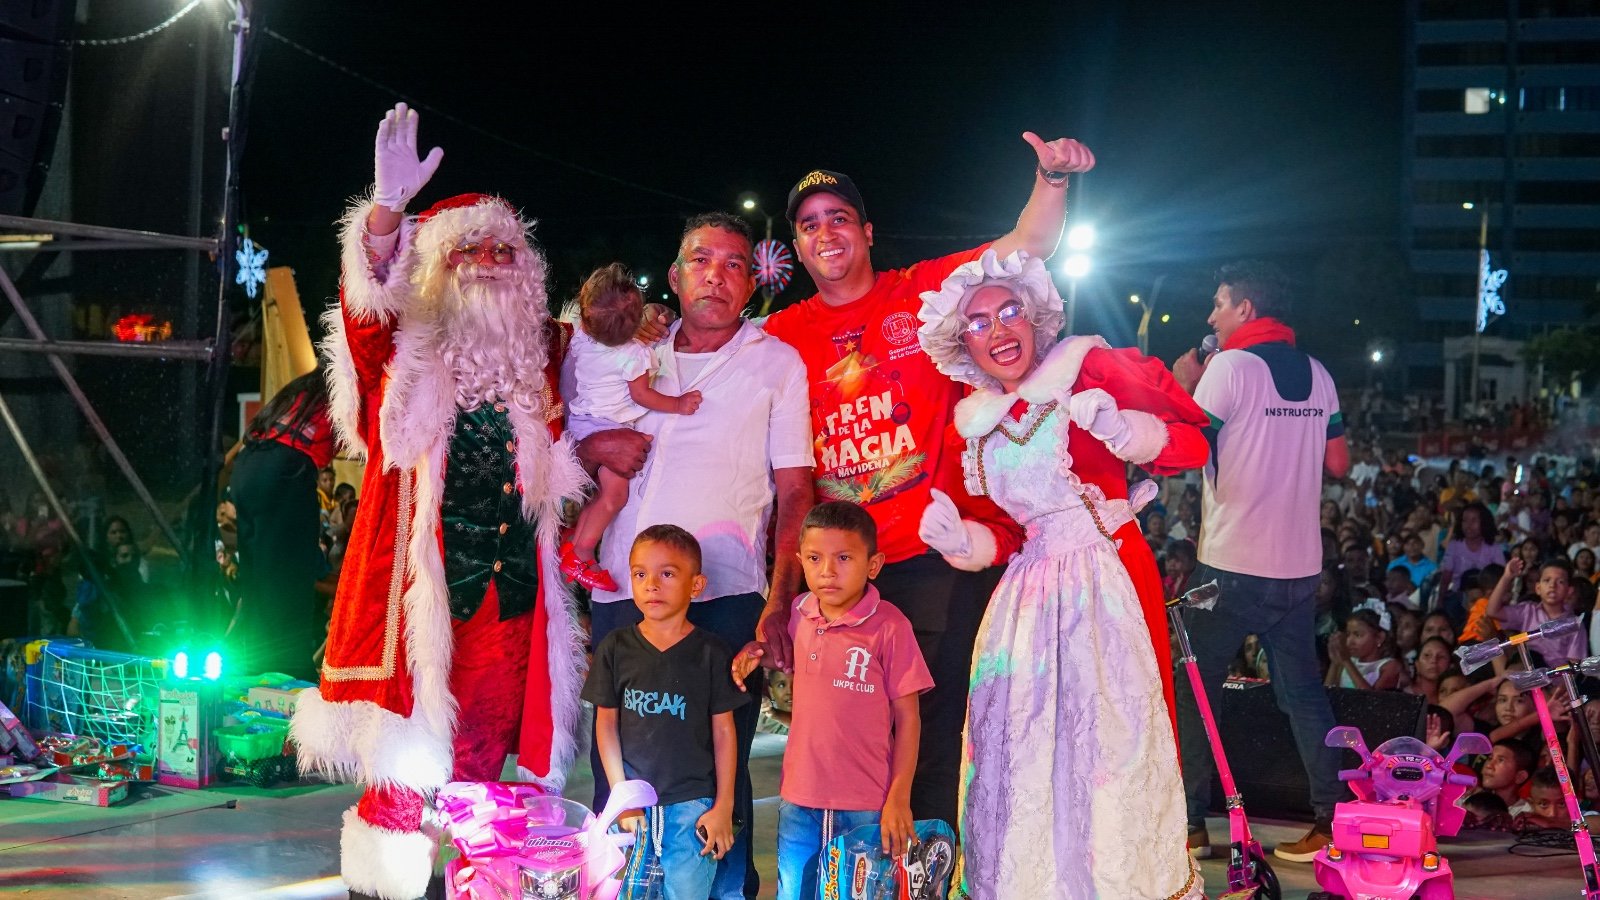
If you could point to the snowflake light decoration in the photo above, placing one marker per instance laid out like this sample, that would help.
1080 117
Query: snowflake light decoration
252 258
1489 284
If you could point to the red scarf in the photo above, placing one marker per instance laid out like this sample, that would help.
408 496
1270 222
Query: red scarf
1265 330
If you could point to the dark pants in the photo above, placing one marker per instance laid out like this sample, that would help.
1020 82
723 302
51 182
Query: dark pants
1281 612
733 619
280 621
945 606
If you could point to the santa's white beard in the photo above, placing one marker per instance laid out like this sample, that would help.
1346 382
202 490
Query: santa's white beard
493 339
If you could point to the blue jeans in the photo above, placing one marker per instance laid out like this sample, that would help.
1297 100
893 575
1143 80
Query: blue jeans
800 840
688 875
733 619
1281 612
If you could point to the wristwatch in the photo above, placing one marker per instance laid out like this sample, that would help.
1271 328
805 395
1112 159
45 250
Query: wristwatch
1055 179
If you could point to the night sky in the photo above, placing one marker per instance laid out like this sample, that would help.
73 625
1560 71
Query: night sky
1221 130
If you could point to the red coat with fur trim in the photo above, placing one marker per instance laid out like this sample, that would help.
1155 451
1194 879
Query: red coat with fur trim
383 713
1140 383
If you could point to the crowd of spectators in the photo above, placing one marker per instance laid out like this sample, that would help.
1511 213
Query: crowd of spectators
1421 556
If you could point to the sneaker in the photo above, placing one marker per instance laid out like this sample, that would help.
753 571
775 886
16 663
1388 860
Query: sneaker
1200 843
1306 849
584 571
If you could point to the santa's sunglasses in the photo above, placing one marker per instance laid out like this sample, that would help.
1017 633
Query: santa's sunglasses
499 251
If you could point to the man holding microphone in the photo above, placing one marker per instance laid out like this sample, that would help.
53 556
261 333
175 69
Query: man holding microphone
1275 429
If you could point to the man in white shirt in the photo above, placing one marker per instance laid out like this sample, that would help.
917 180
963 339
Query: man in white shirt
1275 429
721 474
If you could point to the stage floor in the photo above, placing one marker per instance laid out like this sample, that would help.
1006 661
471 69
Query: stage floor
236 842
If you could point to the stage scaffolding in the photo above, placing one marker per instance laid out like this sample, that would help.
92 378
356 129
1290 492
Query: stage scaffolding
20 234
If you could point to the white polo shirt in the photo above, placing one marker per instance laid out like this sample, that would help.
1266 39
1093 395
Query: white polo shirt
710 473
1273 410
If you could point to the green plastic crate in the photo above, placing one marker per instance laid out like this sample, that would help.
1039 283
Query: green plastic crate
242 743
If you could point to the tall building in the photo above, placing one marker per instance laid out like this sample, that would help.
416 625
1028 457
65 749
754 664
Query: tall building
1502 143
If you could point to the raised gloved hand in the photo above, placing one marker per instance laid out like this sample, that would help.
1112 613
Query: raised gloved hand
398 172
941 527
1096 412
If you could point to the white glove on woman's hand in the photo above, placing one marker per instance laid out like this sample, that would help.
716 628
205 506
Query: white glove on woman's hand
941 526
1096 412
398 172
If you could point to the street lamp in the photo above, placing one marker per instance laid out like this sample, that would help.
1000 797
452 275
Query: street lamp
749 202
1080 238
1150 310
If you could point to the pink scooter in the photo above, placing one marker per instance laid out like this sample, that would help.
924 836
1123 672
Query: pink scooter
1533 681
516 841
1385 841
1249 876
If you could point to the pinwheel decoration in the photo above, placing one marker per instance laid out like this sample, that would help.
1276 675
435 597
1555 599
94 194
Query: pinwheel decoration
774 265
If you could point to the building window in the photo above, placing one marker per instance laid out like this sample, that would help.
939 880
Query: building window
1480 100
1563 193
1455 192
1436 285
1555 145
1451 238
1558 240
1458 10
1558 9
1544 53
1461 145
1477 53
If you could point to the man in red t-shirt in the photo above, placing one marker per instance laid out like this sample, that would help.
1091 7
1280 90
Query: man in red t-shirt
881 423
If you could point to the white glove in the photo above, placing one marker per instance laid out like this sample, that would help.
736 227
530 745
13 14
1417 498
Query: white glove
1095 411
941 527
399 173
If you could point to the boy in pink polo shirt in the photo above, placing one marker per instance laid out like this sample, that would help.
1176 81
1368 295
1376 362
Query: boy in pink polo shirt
855 723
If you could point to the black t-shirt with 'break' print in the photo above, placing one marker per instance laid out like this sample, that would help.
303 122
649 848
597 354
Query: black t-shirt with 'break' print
664 702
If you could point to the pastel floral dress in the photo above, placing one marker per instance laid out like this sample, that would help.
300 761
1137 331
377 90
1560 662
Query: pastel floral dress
1070 787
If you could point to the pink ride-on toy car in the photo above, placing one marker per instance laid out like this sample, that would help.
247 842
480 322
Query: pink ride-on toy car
1384 842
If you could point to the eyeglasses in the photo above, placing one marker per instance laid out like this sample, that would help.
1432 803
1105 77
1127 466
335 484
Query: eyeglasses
499 251
981 328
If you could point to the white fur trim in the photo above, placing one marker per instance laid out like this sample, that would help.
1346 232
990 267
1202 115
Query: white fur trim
370 292
550 475
385 292
979 412
419 403
983 553
1058 371
362 742
429 636
344 388
393 865
1146 439
445 229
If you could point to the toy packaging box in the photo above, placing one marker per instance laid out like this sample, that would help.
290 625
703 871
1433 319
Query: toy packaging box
189 714
279 699
853 866
73 789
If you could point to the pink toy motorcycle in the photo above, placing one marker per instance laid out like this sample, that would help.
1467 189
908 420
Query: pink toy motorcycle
518 842
1384 842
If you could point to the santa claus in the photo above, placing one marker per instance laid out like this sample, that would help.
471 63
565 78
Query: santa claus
453 641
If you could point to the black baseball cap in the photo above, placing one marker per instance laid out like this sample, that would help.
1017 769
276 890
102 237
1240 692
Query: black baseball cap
820 180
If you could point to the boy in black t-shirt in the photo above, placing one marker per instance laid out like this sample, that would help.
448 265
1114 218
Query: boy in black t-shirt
664 700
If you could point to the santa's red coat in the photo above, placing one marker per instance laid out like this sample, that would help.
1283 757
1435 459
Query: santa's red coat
384 712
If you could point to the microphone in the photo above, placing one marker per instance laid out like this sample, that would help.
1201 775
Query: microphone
1208 345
